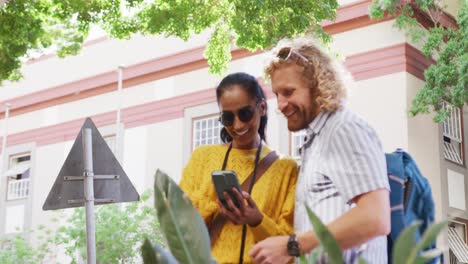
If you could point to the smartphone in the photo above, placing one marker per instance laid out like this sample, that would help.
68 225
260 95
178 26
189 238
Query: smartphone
224 181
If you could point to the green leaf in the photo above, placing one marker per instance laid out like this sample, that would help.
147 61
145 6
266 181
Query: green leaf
428 255
361 260
430 235
405 243
303 260
326 239
156 254
149 256
428 238
315 254
182 225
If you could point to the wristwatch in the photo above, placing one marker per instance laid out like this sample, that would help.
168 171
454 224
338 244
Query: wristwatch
293 246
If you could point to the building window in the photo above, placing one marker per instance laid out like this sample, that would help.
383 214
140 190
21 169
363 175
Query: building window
297 139
453 135
18 176
206 131
458 239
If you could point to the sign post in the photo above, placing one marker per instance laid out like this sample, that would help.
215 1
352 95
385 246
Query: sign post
91 175
89 195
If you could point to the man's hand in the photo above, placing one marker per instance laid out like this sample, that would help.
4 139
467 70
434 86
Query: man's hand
271 250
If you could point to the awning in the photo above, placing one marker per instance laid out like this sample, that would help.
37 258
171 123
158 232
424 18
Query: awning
18 169
457 245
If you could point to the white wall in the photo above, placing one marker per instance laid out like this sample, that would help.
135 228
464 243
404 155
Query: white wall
381 101
164 149
135 156
368 38
48 162
98 58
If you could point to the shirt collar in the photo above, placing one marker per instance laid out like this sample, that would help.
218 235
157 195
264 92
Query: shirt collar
318 123
315 127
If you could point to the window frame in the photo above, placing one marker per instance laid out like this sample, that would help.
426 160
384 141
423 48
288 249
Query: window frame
214 116
110 131
464 223
459 146
9 179
292 136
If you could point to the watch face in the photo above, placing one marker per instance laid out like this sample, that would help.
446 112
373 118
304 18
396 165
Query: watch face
293 249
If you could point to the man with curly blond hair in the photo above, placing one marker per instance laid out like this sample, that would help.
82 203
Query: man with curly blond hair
343 174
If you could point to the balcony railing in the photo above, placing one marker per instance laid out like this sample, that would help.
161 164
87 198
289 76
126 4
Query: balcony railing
18 189
452 126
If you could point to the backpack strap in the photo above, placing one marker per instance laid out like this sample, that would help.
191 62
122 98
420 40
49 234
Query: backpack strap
395 180
217 224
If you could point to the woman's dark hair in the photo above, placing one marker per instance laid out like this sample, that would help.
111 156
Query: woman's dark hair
249 84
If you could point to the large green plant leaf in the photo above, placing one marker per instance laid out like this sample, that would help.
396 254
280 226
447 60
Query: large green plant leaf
404 244
315 254
431 233
428 255
156 254
148 254
327 240
429 236
303 260
182 225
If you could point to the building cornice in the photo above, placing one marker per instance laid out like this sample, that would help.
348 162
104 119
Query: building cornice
373 64
348 17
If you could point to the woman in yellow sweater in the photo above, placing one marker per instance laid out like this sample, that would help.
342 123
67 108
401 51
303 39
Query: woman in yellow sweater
268 210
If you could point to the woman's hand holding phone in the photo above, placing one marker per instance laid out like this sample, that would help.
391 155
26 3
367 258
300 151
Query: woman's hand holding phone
246 213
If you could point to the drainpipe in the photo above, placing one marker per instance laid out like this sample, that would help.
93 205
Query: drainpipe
119 106
5 133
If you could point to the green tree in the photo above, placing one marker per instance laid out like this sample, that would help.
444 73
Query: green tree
446 80
63 25
120 231
16 249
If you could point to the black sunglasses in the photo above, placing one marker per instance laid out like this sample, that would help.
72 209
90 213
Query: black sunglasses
287 54
245 114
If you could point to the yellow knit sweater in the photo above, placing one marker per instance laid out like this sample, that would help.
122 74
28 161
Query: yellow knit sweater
273 193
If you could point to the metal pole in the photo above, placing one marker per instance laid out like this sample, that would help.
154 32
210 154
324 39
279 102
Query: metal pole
5 134
89 195
119 106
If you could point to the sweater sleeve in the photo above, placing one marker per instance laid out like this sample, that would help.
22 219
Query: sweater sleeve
196 183
283 223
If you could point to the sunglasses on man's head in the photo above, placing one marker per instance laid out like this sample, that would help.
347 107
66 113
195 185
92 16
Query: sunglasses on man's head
287 54
245 114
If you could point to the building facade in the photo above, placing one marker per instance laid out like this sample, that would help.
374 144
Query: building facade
168 107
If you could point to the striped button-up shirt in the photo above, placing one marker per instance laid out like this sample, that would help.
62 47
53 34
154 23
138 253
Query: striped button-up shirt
342 158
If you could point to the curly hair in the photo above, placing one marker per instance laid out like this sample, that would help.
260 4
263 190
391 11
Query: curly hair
320 71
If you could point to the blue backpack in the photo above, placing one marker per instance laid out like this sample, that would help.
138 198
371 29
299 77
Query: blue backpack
410 197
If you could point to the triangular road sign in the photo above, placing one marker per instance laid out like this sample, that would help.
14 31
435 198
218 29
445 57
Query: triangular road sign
111 184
